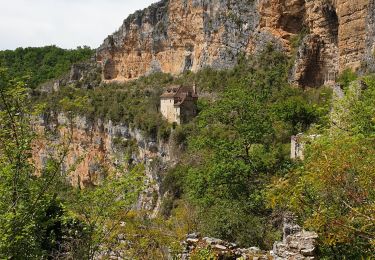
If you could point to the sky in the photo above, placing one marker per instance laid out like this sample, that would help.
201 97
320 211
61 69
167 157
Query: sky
65 23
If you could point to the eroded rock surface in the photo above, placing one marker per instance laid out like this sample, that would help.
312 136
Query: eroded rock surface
179 35
95 148
340 36
187 35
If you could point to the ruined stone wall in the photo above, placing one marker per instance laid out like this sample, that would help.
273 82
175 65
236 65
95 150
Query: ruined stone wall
296 244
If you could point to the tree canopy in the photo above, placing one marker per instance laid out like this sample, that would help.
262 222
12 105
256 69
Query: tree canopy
41 64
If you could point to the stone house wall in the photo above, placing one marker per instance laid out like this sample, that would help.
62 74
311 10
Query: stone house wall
168 110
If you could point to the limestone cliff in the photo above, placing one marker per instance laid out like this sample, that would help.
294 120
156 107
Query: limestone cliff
91 149
174 36
338 33
179 35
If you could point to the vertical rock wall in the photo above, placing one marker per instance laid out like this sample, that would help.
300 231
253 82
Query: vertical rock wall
369 60
341 35
282 19
179 35
97 147
352 32
174 36
317 57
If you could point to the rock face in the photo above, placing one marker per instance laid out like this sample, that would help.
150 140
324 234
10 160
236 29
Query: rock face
85 75
353 16
369 61
282 18
96 147
338 31
174 36
179 35
317 58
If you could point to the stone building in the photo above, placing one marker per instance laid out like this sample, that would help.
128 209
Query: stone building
178 104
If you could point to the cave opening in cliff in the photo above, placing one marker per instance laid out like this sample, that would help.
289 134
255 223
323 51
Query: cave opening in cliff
292 21
109 70
292 24
332 19
313 75
188 63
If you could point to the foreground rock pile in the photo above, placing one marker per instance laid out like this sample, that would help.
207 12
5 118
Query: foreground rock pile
194 243
301 245
297 244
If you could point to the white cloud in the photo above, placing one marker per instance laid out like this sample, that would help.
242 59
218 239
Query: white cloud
65 23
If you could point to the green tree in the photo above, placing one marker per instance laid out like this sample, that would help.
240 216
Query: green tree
104 210
26 199
41 215
333 194
332 190
240 139
41 64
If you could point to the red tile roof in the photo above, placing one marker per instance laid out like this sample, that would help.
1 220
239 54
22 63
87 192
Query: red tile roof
180 94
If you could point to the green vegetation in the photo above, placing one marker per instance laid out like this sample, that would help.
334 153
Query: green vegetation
24 204
346 78
204 253
233 148
332 191
239 141
135 103
41 64
234 176
42 217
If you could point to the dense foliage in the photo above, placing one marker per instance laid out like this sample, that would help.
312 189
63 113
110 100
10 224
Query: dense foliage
332 191
42 217
239 141
233 179
41 64
135 103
